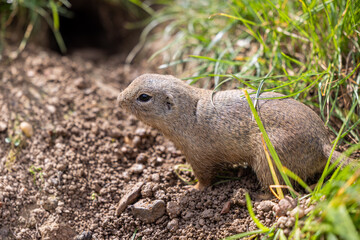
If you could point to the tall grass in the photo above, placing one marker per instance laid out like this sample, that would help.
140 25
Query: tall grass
308 50
28 13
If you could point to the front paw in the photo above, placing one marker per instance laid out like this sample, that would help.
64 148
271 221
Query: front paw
201 186
197 186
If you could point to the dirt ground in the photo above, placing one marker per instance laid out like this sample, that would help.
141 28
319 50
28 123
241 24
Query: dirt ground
86 155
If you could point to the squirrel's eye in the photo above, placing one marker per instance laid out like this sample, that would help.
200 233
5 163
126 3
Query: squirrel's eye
144 97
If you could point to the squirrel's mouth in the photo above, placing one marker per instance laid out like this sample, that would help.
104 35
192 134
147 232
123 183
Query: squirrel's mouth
121 100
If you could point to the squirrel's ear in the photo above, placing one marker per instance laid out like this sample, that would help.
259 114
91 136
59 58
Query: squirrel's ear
169 101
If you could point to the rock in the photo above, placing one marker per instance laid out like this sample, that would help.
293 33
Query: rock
159 160
61 167
136 141
137 168
5 233
188 215
287 232
173 209
266 206
297 211
173 225
160 148
309 209
284 205
146 190
128 140
3 126
52 230
140 132
129 198
35 216
148 211
142 158
208 213
126 176
115 133
290 222
94 226
85 235
60 130
50 203
80 83
226 208
160 194
155 177
51 108
281 222
27 129
239 197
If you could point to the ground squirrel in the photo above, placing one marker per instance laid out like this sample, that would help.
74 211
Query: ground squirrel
222 130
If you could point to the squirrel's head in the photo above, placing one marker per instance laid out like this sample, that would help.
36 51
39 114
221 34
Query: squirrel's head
152 97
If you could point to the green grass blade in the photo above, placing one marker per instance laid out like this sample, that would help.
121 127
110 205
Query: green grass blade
252 214
245 234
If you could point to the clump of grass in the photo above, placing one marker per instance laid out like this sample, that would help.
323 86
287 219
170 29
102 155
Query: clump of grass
17 142
36 172
336 215
28 13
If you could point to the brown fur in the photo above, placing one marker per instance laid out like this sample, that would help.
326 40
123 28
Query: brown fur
223 131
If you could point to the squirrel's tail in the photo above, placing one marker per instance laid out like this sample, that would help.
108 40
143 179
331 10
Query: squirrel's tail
344 161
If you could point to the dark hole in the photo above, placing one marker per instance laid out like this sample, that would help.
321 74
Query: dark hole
82 30
96 25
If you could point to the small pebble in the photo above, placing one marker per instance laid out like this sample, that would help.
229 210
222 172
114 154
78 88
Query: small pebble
226 208
281 222
309 209
142 158
148 211
115 133
297 211
266 206
208 213
202 222
173 224
27 129
50 203
173 209
284 205
129 198
137 168
290 222
136 141
80 83
189 215
155 177
85 235
3 126
140 132
51 108
61 167
146 190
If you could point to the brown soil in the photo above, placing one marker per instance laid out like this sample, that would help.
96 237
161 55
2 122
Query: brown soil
86 154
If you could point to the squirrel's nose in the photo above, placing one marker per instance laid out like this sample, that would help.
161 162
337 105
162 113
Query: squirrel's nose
120 99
